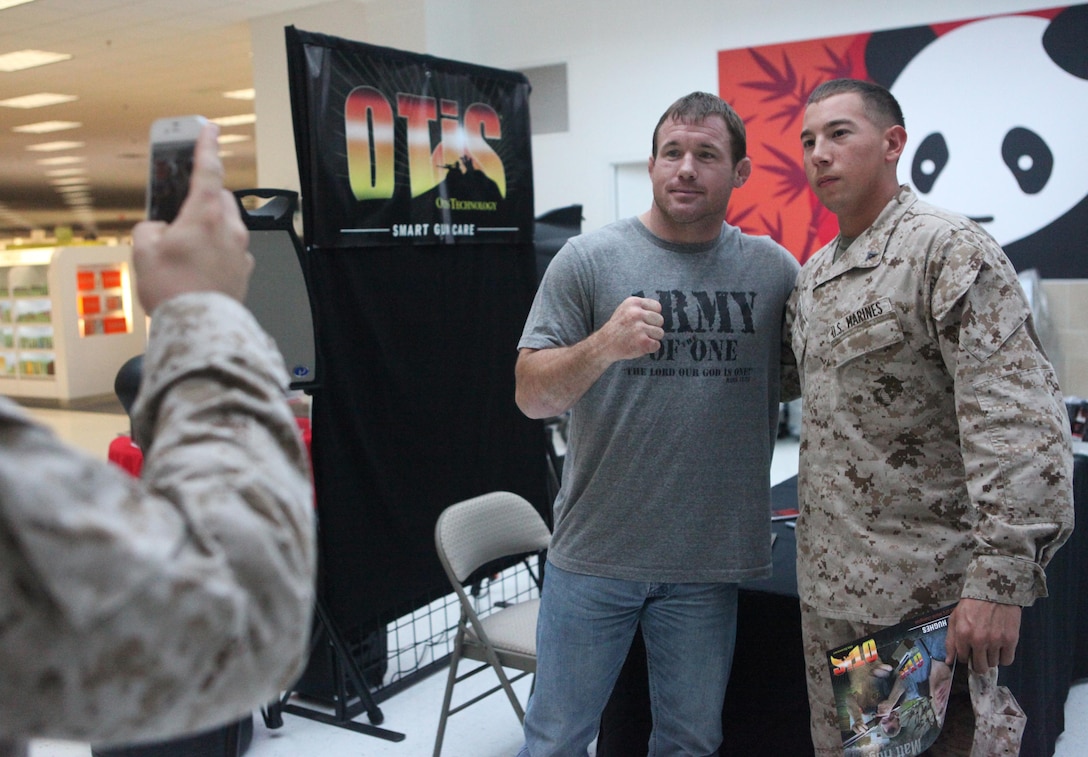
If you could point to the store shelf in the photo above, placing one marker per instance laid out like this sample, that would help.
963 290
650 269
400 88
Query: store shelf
68 320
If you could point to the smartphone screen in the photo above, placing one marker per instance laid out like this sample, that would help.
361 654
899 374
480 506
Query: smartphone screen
173 142
171 167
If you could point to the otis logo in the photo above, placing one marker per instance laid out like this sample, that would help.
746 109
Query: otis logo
463 156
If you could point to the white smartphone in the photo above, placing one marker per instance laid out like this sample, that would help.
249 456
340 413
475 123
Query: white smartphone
173 142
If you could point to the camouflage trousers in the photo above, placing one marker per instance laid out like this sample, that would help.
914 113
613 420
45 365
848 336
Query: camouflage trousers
982 720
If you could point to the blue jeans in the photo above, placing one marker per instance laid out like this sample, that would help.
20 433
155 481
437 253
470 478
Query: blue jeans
583 635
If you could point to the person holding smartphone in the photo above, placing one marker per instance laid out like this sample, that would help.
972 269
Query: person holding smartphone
135 609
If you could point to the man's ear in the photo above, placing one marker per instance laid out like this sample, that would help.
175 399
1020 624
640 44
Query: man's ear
741 174
896 140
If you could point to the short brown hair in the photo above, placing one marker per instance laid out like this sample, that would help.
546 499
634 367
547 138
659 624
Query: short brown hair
699 106
880 105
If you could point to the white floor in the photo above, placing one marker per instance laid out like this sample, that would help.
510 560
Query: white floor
487 729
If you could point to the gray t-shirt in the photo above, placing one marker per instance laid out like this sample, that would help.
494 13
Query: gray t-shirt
667 470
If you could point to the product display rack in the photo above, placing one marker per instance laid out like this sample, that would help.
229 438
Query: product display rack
68 320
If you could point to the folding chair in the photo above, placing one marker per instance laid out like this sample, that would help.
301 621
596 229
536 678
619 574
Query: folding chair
469 535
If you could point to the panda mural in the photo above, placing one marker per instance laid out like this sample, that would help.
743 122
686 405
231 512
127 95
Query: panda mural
995 115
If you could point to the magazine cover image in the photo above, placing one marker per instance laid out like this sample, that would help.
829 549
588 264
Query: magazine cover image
892 688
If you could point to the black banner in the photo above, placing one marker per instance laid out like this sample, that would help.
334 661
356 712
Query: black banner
400 148
417 337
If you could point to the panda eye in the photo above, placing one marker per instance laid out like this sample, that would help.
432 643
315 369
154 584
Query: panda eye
1029 159
929 161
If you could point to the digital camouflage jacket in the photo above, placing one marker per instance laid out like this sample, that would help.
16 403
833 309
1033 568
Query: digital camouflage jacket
134 609
935 455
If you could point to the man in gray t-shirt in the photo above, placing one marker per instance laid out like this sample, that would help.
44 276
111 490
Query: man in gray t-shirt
661 335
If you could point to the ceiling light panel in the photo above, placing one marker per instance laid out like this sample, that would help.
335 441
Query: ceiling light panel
248 118
63 160
12 3
21 60
39 100
46 127
55 146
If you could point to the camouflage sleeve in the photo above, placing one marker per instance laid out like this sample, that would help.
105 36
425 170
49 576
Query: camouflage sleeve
1014 432
136 609
789 375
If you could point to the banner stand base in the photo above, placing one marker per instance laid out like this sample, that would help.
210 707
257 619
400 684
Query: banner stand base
342 718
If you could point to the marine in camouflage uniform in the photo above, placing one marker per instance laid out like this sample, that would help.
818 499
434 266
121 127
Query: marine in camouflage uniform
935 461
132 609
935 454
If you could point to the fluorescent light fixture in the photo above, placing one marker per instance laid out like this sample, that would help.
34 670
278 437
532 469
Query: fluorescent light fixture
226 139
21 60
45 127
248 118
62 160
55 146
241 94
39 100
12 3
67 171
69 181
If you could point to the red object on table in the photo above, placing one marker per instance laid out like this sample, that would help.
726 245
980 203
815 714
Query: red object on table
126 454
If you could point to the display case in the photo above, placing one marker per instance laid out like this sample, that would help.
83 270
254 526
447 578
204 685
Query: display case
68 320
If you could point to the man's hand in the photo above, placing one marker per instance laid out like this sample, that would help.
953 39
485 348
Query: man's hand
205 249
984 634
635 328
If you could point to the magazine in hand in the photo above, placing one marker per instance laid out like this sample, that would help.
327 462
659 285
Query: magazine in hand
891 688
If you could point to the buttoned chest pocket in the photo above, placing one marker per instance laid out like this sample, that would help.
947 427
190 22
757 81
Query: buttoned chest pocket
879 374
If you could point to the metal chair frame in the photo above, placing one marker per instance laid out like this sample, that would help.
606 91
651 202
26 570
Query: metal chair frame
468 536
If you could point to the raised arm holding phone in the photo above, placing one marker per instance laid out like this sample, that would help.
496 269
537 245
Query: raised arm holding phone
142 609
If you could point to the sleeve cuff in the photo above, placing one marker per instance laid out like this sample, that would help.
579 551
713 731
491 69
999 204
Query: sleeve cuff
1005 580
